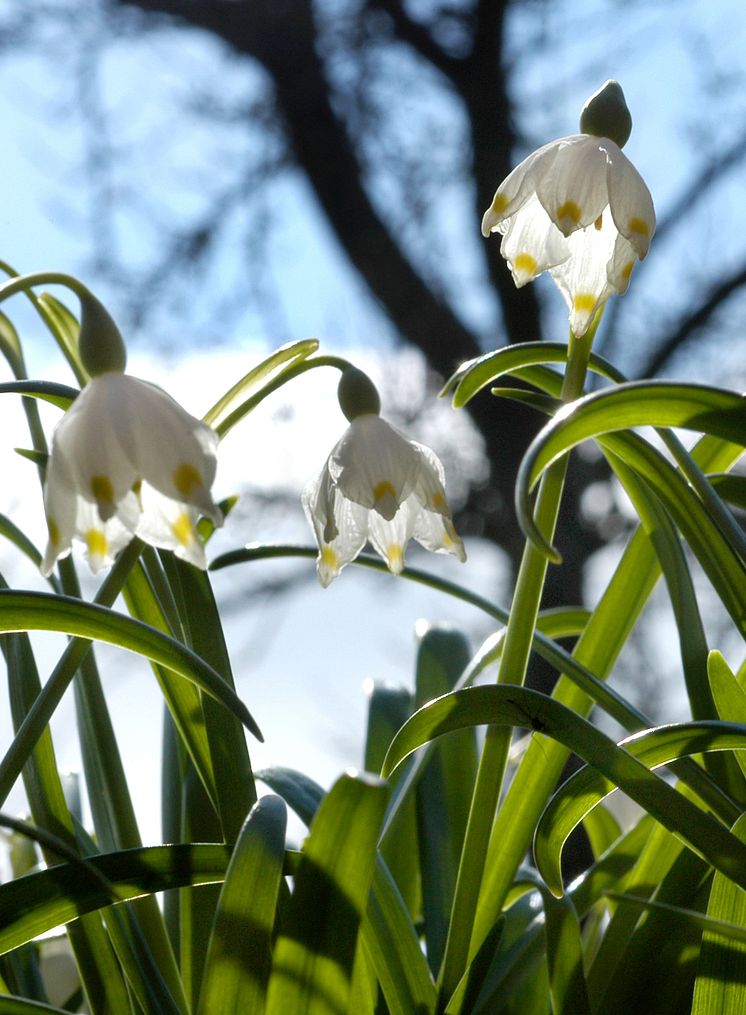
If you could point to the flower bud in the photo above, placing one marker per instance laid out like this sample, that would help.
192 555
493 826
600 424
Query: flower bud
605 114
100 343
357 394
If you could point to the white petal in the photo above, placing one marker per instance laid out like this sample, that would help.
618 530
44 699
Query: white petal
389 537
631 203
621 263
532 243
436 532
575 192
583 279
172 451
519 185
170 525
339 526
102 540
60 509
88 449
429 489
374 465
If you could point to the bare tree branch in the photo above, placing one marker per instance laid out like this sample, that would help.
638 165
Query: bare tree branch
416 35
693 322
698 187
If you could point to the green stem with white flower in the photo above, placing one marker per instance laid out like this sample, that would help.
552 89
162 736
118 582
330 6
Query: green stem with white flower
513 665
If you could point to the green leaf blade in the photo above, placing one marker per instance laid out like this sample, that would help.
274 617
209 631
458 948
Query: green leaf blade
239 957
315 953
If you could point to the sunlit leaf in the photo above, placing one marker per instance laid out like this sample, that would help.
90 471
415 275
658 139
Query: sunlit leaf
10 345
477 373
315 952
587 787
40 902
387 930
64 326
239 956
519 706
38 611
232 399
61 395
639 403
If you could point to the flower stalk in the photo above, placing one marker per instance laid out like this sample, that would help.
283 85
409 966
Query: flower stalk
512 670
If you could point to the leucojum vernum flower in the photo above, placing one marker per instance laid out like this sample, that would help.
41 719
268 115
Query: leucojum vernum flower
126 460
579 209
376 485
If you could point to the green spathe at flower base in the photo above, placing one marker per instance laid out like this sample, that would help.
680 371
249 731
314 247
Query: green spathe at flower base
100 342
357 394
606 114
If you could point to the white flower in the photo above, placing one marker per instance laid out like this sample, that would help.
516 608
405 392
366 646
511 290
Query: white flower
127 460
578 208
378 485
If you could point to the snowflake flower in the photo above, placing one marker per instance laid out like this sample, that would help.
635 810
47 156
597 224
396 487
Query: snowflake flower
377 485
579 209
127 460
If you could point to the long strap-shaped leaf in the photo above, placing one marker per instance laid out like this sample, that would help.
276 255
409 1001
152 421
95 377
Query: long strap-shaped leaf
635 403
234 779
239 956
60 395
100 974
39 611
17 1006
388 934
474 375
315 953
639 403
721 975
37 903
538 773
520 706
182 698
588 787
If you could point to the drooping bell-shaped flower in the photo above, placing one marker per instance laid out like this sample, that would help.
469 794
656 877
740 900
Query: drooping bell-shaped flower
376 485
579 209
127 460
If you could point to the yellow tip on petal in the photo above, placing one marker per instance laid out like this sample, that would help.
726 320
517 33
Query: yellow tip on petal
186 478
639 226
499 203
383 488
495 214
385 499
584 302
54 532
96 543
395 557
452 541
103 493
525 264
329 558
183 529
568 216
627 270
437 500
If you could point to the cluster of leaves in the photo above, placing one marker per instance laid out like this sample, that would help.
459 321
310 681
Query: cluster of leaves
362 918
